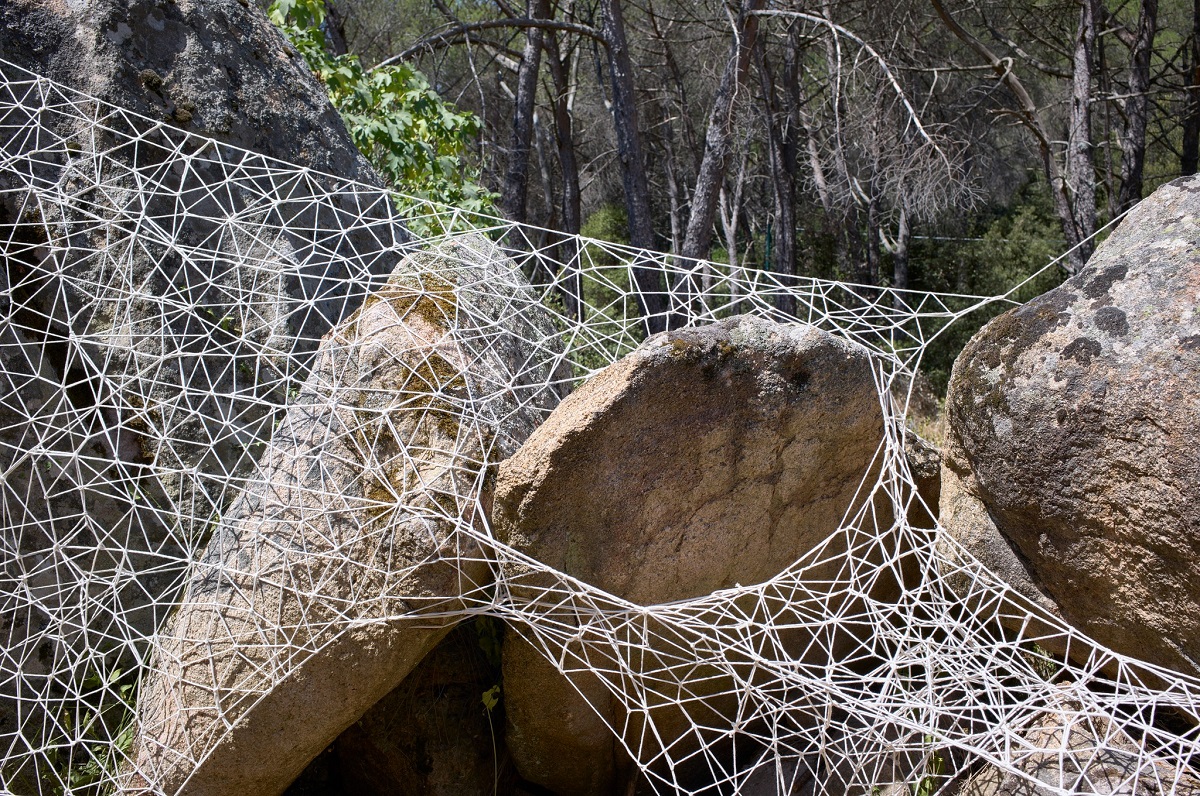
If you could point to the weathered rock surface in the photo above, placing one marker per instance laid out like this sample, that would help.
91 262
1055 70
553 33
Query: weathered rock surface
705 458
142 204
1078 753
1073 421
925 465
218 68
288 630
149 351
43 618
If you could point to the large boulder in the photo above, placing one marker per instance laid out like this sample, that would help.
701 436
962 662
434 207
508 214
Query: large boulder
1074 421
127 236
163 293
352 551
706 458
44 577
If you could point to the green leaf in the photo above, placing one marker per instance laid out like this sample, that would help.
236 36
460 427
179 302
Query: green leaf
491 698
412 136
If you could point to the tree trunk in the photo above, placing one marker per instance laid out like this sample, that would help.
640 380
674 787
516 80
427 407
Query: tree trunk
1080 165
1109 179
647 277
516 176
729 226
873 271
550 221
781 159
674 192
1137 107
335 30
570 286
900 257
1189 158
697 239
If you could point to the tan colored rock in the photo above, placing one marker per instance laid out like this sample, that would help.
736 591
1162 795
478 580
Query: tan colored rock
290 627
707 457
1062 750
1071 467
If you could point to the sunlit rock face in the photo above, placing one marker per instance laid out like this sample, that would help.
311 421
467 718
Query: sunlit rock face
708 457
360 540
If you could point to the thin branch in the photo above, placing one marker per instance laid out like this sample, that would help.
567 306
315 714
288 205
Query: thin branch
1037 64
1003 69
450 35
838 30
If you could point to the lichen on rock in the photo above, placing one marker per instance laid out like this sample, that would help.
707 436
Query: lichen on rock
1071 467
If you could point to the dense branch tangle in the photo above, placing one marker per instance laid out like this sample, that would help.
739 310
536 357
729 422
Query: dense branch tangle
87 591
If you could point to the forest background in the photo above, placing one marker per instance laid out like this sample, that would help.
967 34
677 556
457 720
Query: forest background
942 145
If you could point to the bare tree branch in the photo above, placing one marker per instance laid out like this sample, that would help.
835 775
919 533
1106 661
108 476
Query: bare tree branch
1028 117
840 31
451 35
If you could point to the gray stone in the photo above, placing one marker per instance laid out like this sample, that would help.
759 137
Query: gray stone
925 464
73 546
165 298
707 457
218 68
127 246
1071 468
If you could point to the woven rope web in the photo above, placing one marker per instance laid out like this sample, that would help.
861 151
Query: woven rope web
165 302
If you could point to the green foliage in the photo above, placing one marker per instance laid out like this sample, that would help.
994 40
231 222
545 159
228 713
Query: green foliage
415 139
991 255
491 698
609 304
99 732
608 223
935 770
1045 664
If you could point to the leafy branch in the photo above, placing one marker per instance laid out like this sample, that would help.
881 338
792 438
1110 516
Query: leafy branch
415 139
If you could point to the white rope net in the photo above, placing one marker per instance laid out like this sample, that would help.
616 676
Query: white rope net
164 302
